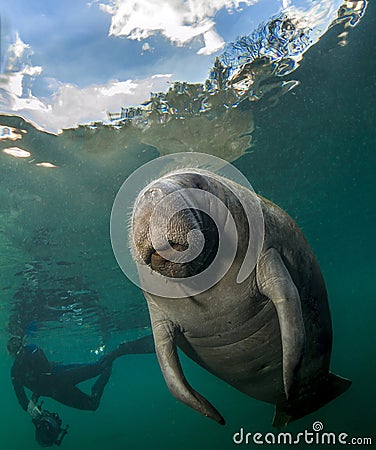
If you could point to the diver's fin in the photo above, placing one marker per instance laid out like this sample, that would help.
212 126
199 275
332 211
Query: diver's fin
139 346
164 333
312 398
275 282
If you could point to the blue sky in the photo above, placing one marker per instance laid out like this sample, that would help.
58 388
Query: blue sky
69 62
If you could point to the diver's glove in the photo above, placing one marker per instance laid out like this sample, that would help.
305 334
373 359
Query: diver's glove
33 410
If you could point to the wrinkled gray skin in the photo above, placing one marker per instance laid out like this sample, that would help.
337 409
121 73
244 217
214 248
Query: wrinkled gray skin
270 336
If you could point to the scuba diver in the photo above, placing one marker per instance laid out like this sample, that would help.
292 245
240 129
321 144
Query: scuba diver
32 369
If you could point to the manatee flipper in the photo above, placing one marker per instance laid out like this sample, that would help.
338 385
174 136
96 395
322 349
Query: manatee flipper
164 332
275 282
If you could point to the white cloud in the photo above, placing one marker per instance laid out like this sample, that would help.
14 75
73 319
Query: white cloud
69 105
72 105
13 83
14 99
286 3
213 43
13 80
178 20
18 48
30 103
118 87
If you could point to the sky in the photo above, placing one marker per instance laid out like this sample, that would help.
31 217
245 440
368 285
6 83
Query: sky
69 62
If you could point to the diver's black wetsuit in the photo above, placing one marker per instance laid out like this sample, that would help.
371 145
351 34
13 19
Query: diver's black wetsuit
32 369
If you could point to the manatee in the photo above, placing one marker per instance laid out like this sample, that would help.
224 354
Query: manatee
269 335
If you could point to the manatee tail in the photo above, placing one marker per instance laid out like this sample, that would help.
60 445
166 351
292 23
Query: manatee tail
314 397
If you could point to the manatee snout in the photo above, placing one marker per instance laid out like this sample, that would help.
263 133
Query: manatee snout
164 214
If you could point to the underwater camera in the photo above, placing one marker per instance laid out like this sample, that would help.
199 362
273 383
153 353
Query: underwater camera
48 429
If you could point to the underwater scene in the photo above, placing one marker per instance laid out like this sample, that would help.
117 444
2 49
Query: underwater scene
282 92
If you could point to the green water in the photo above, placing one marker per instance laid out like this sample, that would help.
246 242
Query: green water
313 154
